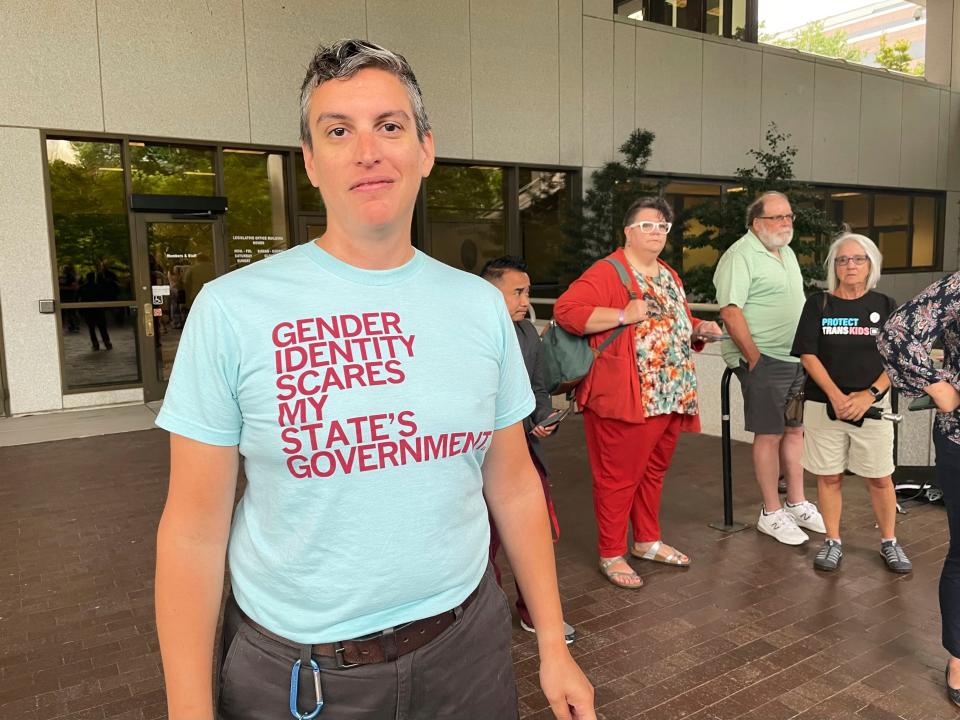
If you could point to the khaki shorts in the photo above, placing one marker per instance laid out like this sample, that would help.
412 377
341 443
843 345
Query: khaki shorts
832 446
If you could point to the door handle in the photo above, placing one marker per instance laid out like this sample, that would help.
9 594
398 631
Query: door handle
148 319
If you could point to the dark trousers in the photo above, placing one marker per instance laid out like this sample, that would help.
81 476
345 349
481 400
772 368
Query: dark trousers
466 673
948 478
495 539
96 319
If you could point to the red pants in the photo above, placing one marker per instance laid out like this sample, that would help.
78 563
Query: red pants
629 461
495 539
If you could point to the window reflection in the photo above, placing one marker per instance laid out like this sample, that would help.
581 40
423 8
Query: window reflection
684 197
727 18
92 247
544 206
257 221
99 347
852 208
91 234
924 231
308 197
893 247
891 210
158 169
904 226
465 215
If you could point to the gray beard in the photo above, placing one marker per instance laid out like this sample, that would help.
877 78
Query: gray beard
772 242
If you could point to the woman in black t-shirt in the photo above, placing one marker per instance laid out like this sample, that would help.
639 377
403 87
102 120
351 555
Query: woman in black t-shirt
836 341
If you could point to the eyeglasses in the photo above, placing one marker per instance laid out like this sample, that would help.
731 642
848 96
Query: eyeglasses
648 226
857 260
778 218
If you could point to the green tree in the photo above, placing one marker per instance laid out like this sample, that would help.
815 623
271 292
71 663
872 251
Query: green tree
812 38
594 229
724 221
897 56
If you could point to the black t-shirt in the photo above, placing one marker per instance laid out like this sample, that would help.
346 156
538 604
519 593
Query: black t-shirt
843 335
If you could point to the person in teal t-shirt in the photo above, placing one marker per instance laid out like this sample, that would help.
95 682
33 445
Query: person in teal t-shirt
376 398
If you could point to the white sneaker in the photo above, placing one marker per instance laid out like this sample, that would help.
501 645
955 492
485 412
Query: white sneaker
781 527
807 516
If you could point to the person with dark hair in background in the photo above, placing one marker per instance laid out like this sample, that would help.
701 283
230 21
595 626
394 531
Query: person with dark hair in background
836 341
97 286
641 392
760 291
377 398
906 343
509 275
69 292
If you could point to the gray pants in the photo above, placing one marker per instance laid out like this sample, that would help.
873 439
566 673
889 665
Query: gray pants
765 391
466 673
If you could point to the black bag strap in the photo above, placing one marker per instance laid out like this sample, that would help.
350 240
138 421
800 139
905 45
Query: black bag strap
625 279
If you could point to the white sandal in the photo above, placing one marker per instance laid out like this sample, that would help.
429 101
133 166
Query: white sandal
614 575
675 558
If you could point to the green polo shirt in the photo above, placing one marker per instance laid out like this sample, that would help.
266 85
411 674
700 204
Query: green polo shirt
769 291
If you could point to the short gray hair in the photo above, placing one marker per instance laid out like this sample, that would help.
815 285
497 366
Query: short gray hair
756 208
344 59
870 250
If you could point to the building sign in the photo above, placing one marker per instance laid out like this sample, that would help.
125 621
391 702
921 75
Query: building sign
250 248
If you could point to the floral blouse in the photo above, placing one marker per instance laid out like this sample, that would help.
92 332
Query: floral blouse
668 382
907 338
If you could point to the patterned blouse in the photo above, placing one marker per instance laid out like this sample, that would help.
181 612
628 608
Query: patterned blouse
908 336
668 382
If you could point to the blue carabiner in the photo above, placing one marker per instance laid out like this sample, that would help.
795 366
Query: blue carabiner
295 688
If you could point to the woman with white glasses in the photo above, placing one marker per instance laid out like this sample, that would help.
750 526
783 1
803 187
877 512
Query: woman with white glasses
641 392
836 341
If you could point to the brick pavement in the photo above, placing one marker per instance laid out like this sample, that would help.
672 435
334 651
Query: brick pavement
749 631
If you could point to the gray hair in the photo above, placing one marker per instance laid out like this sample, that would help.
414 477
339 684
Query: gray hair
343 60
869 249
756 208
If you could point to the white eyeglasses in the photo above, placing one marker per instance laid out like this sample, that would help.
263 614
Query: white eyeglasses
648 226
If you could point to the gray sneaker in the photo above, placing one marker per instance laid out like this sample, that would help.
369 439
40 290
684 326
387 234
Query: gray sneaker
829 556
569 634
895 558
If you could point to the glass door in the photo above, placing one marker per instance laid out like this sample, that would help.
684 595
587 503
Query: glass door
176 257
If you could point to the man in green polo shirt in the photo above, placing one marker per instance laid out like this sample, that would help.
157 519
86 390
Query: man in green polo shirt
760 292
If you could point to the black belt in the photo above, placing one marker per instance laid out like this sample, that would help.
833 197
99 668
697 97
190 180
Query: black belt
384 646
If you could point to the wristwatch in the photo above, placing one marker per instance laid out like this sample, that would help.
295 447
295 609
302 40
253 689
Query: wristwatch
620 317
875 391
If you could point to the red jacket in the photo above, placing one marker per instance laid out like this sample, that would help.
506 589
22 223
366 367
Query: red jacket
612 388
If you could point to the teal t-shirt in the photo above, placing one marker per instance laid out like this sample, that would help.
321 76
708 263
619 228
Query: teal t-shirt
363 403
769 292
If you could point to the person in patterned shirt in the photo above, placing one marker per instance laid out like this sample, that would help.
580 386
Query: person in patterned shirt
906 343
641 392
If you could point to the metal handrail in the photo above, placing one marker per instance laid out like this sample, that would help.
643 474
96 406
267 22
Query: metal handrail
728 525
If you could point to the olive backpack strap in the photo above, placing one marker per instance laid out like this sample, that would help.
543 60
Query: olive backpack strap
625 279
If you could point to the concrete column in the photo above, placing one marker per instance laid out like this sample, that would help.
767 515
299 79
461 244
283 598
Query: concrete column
26 276
940 54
